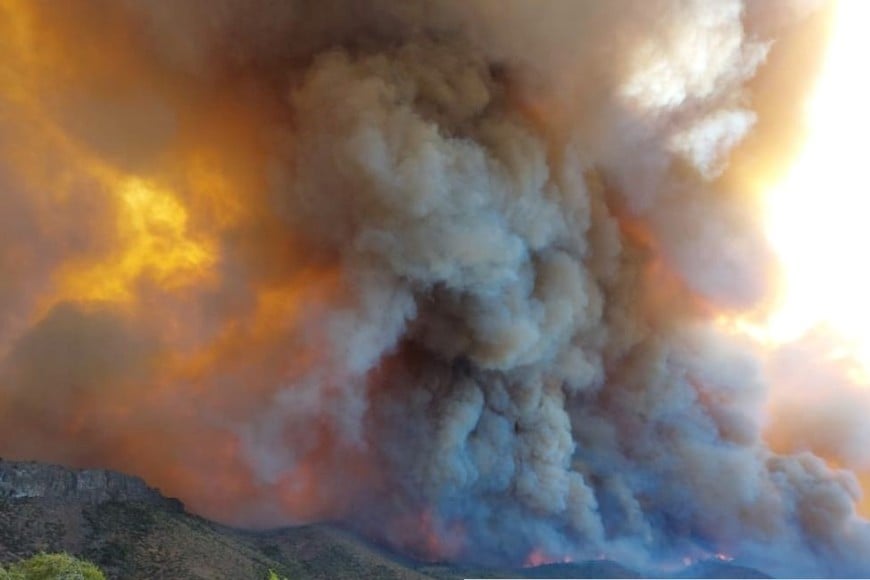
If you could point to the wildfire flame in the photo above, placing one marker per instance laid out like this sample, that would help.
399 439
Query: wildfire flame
540 557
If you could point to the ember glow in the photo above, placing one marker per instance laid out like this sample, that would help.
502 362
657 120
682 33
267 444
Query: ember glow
471 277
538 557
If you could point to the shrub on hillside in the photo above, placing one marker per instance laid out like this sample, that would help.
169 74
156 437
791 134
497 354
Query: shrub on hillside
52 567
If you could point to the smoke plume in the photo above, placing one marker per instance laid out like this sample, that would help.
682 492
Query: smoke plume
447 272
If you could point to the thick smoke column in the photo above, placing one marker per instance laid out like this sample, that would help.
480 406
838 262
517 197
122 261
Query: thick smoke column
444 271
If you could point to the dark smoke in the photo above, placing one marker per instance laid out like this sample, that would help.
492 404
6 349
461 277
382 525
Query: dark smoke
447 271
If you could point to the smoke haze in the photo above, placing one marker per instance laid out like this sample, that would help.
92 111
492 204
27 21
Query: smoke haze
449 272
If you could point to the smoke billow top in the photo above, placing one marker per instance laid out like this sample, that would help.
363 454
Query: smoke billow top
448 272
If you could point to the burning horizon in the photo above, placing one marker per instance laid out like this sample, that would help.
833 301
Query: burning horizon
487 281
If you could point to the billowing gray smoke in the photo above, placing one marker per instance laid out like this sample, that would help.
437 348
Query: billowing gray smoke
511 218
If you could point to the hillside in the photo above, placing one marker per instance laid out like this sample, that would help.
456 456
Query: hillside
132 532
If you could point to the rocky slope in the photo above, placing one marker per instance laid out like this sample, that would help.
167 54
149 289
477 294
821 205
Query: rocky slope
132 531
53 483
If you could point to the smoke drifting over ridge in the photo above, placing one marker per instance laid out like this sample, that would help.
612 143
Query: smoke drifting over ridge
445 271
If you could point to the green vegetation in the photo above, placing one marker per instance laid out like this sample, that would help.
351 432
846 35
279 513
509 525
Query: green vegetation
52 567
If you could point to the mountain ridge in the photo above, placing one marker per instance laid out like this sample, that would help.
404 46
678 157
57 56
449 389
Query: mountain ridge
132 530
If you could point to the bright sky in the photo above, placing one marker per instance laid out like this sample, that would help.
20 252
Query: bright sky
819 215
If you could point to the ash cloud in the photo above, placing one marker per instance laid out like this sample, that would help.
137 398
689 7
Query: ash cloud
453 273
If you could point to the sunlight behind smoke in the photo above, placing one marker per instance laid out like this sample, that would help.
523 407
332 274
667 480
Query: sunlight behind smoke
818 216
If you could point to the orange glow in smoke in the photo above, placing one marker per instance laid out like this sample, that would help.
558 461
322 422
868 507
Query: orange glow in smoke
153 242
148 216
